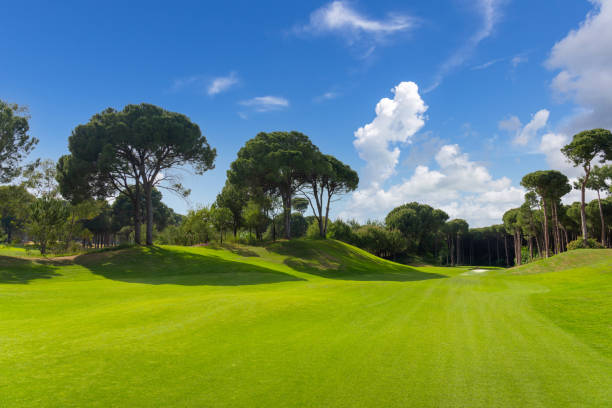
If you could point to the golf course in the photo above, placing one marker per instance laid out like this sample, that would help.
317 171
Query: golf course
301 323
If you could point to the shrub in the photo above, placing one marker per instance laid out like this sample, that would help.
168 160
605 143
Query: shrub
580 244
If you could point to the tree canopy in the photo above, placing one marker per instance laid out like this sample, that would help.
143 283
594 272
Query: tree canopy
15 141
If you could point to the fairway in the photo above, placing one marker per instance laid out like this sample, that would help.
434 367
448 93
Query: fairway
305 323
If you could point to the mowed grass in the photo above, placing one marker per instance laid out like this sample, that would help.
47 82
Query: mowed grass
302 324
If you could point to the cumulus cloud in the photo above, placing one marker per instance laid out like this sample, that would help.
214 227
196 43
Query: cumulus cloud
459 186
221 84
266 103
490 11
584 61
396 121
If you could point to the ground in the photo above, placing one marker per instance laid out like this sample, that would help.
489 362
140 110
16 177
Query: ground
302 324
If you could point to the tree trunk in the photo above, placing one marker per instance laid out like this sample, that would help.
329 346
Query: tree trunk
603 224
546 238
506 246
148 197
489 250
136 204
287 214
582 204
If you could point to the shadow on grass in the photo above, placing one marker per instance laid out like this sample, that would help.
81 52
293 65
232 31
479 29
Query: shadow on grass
157 266
333 260
23 270
235 249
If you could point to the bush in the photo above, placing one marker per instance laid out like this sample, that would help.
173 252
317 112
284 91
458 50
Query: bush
580 244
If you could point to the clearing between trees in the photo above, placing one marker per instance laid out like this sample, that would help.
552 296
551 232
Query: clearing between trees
302 323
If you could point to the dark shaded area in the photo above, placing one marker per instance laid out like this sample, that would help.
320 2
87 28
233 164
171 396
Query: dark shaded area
23 270
340 262
235 250
156 266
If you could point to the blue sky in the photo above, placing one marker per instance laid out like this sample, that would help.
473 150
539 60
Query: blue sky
479 92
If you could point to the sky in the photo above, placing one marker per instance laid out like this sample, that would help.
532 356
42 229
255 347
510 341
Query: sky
447 103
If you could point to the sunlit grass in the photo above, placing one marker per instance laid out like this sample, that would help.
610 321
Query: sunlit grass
301 323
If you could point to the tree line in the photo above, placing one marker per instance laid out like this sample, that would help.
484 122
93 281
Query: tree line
108 190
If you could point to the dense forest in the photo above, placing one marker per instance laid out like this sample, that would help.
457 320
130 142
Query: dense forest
108 191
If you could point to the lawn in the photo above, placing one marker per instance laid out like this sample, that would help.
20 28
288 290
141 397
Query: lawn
302 324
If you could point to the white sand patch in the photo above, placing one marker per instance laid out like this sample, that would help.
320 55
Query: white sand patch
475 272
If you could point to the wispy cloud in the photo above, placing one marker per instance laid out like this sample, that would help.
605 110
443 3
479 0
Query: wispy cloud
514 61
490 12
338 17
266 103
194 81
203 83
221 84
326 96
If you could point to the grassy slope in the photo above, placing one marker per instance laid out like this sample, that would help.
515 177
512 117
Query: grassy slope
299 324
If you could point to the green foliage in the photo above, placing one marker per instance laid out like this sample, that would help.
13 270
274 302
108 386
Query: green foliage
300 204
235 199
15 142
221 219
419 223
275 163
582 244
47 216
133 151
14 204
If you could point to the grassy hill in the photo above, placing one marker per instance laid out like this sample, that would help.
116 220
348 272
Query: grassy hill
301 323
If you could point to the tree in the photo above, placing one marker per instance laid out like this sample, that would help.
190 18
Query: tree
221 219
300 204
416 222
135 150
42 178
585 147
326 179
123 213
233 198
600 181
550 185
14 204
455 230
47 215
254 217
15 142
513 227
275 163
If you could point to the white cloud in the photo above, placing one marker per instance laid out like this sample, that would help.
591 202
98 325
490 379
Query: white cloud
490 13
326 96
517 60
461 187
584 61
396 121
538 121
512 124
524 134
266 103
338 17
221 84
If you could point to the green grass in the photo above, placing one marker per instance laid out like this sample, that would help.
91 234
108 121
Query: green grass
302 324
